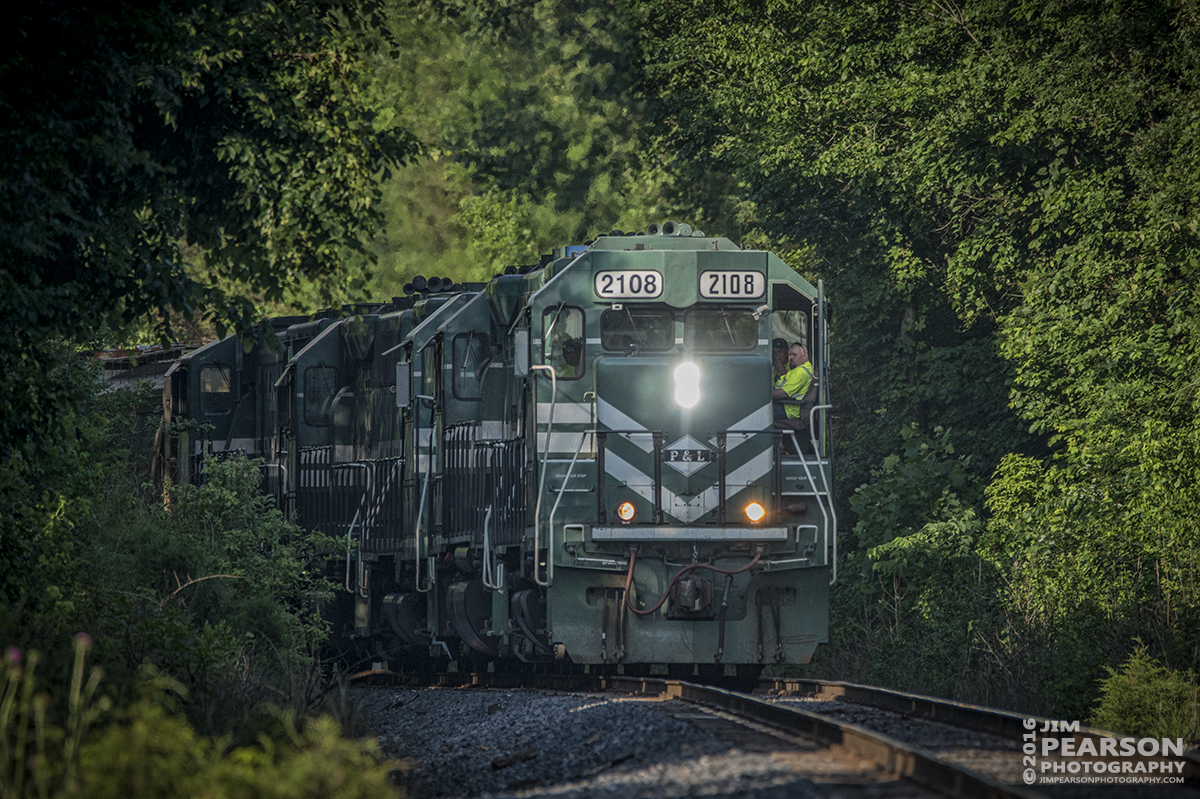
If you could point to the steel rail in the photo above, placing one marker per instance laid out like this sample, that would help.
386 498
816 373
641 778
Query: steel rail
900 759
1004 723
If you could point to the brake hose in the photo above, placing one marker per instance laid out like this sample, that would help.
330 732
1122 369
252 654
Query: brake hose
629 579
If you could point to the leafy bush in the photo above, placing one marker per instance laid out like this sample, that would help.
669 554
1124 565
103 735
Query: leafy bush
1147 700
219 590
213 587
908 611
149 749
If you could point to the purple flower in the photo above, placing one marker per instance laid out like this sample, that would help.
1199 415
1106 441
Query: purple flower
13 654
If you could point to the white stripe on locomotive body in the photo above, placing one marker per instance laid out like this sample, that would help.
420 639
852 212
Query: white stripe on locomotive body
755 421
565 443
423 464
565 413
689 510
613 418
424 439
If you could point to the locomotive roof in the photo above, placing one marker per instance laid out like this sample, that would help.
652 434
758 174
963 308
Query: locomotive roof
649 241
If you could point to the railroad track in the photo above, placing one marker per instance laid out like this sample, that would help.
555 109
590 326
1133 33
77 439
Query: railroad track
888 754
923 721
946 748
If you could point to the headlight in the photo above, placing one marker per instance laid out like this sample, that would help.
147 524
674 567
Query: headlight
755 512
626 512
687 384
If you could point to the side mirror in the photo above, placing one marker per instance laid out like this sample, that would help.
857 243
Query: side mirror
403 385
521 353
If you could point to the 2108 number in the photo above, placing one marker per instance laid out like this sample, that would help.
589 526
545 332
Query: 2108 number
628 284
726 285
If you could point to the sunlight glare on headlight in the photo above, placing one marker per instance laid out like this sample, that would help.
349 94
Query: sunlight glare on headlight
687 384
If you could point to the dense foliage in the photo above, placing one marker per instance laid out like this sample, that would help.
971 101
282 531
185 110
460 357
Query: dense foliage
533 123
149 749
208 583
236 131
1144 699
1002 200
165 163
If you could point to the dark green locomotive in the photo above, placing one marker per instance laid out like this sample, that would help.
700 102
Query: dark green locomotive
576 461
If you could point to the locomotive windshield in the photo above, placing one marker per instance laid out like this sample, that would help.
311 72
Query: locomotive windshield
637 328
715 327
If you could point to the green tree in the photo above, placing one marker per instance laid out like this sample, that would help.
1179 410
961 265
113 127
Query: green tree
1002 199
1145 700
532 119
839 122
238 129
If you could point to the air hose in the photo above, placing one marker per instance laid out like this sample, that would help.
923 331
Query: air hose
629 579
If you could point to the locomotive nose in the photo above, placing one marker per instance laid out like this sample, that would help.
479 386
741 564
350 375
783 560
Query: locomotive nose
710 393
670 460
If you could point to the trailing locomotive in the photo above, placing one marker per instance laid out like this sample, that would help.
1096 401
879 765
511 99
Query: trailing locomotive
575 462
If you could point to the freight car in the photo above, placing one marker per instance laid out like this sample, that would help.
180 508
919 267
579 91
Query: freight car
573 463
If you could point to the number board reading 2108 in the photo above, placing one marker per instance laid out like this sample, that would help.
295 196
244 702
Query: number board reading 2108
732 285
628 284
647 284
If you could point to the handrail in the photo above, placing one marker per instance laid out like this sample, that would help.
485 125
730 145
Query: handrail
816 493
537 512
489 576
424 492
354 521
829 488
831 512
417 538
281 468
561 489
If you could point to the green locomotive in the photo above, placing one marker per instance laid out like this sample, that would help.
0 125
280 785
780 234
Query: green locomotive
576 462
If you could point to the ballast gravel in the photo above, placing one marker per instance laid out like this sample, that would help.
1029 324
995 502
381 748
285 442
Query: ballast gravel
466 742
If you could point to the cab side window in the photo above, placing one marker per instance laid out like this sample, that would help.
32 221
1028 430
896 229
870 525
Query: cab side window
216 390
563 342
320 384
470 357
793 326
